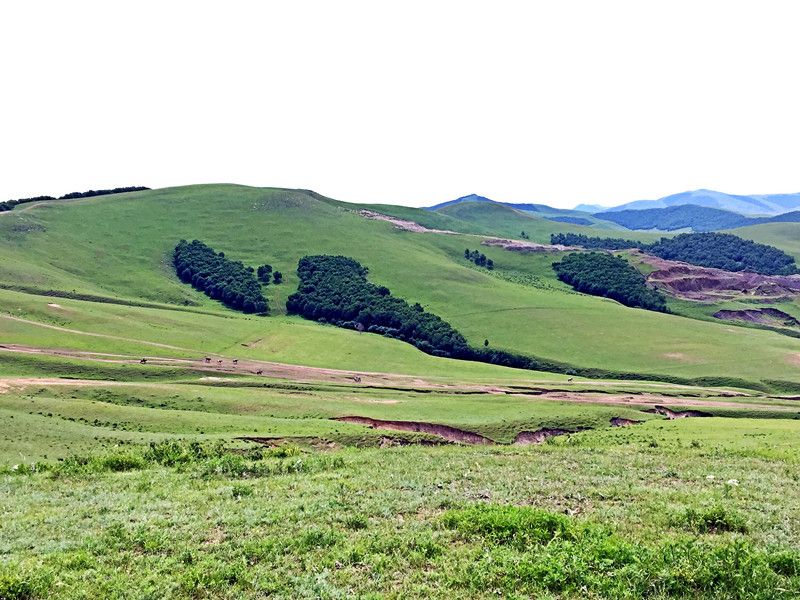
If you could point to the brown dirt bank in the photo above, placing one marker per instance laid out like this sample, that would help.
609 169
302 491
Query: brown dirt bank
763 316
704 284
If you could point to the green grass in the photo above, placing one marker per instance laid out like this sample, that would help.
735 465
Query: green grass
551 521
279 226
785 236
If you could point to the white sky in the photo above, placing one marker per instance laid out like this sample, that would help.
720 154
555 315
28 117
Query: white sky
557 102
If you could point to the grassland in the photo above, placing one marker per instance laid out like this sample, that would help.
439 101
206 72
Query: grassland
122 479
46 251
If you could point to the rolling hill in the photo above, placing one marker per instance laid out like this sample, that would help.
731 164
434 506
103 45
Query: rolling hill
521 307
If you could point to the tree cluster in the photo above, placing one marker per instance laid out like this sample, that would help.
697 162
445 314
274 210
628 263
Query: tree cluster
724 251
334 289
10 204
265 272
90 193
479 258
569 219
594 243
602 274
228 281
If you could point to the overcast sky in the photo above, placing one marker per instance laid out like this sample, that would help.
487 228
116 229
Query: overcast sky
557 102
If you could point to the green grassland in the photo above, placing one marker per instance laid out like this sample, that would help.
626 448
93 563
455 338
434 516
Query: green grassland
419 521
126 255
785 236
128 480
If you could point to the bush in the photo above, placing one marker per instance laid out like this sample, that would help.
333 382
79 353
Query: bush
713 519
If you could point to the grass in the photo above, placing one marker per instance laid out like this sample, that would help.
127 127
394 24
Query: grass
556 521
546 321
133 484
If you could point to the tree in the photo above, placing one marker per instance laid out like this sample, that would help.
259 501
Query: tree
264 273
485 343
277 277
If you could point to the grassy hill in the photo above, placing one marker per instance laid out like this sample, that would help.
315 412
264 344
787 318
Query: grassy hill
120 247
191 478
785 236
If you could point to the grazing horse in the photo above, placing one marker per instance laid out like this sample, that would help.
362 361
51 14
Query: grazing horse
207 359
143 361
236 361
219 362
356 378
259 372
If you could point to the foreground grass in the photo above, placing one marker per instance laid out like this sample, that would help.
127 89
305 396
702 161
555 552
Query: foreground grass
610 515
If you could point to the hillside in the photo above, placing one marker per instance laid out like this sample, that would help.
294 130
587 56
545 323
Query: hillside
158 443
560 215
521 307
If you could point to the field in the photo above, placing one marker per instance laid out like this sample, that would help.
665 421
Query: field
155 444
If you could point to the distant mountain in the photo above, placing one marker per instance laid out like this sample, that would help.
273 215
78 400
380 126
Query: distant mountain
591 208
689 216
766 204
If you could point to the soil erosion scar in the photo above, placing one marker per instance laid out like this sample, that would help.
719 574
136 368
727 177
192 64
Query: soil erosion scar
452 434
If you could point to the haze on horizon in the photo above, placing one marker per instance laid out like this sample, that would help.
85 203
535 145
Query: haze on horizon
557 103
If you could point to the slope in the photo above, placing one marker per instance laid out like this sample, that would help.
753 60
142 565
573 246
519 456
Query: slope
120 247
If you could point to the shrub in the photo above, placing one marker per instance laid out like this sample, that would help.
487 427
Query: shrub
713 519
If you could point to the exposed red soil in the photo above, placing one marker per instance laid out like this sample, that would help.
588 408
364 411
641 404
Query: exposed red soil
401 223
678 414
704 284
525 247
623 422
451 434
763 316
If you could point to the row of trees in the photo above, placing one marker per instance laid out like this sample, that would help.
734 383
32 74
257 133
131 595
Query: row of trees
724 251
265 273
220 278
479 258
10 204
334 289
603 274
593 243
718 250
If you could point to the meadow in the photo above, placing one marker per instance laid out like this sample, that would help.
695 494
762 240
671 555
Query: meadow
155 444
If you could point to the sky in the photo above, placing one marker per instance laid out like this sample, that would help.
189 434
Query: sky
407 103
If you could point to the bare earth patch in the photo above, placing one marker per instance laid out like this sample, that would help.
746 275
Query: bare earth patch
401 223
703 284
525 247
